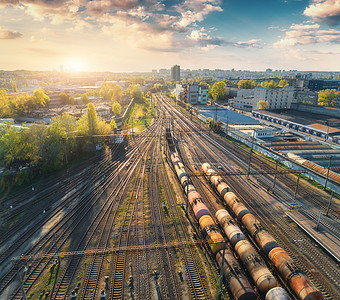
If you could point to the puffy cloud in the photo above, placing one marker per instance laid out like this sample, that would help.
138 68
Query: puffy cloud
248 44
304 34
9 35
327 11
195 10
99 7
204 40
140 23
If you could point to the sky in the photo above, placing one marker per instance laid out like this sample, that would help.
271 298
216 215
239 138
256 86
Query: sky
141 35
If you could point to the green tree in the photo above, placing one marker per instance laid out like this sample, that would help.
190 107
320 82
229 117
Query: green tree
136 93
246 84
66 99
283 83
40 99
85 98
327 97
4 104
269 84
92 119
113 124
111 91
262 104
14 87
218 90
116 108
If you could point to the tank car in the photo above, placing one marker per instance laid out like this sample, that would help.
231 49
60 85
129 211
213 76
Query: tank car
262 237
277 293
259 272
193 195
237 207
206 167
232 231
299 283
189 188
223 188
212 234
233 274
199 209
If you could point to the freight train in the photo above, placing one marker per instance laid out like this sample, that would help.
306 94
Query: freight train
232 271
299 283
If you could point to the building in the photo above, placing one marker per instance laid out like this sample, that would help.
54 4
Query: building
277 98
192 93
244 100
176 73
318 85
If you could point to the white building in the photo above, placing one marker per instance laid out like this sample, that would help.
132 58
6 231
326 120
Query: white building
277 98
244 100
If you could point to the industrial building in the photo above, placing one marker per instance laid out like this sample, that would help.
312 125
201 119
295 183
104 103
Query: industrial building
323 127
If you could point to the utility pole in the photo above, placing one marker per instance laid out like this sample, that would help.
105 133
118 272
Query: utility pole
296 189
329 166
20 280
221 276
317 225
132 126
251 151
329 203
274 181
215 112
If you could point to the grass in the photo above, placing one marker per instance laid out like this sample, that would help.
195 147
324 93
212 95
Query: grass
9 224
46 283
139 113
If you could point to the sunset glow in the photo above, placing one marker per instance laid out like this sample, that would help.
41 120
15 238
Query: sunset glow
138 35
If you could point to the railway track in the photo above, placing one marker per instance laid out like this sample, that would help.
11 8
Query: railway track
75 211
286 235
196 283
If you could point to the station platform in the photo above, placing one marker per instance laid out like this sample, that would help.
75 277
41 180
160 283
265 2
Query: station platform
329 241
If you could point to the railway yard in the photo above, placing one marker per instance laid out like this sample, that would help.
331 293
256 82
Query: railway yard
150 219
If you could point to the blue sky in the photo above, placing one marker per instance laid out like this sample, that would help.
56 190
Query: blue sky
135 35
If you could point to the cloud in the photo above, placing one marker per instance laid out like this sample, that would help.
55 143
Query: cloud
155 25
305 34
248 44
195 10
45 52
99 7
9 35
326 11
204 40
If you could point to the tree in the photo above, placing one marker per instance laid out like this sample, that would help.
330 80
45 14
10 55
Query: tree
283 83
327 97
246 84
64 98
4 104
262 104
136 92
113 124
269 84
111 91
14 87
92 119
85 98
40 98
116 108
218 90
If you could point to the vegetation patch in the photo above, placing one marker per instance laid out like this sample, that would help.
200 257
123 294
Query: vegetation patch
43 288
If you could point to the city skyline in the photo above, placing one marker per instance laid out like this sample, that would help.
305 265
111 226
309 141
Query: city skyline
125 36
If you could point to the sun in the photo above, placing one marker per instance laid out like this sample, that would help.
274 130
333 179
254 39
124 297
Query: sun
75 65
